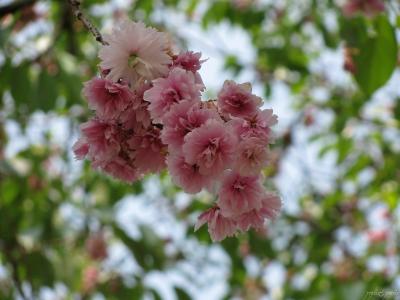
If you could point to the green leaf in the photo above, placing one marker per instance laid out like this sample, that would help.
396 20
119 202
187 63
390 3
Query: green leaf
9 190
20 84
375 52
46 92
344 147
36 268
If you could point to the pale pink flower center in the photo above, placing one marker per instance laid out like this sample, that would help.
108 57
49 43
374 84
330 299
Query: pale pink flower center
208 155
171 95
238 186
185 124
237 101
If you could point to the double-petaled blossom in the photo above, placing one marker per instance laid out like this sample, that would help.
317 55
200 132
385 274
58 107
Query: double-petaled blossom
190 61
239 194
103 144
135 52
178 86
237 100
258 125
107 98
136 116
219 226
270 207
186 175
182 119
149 151
211 147
102 138
251 156
120 168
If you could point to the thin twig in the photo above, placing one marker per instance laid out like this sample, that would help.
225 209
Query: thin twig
14 7
75 6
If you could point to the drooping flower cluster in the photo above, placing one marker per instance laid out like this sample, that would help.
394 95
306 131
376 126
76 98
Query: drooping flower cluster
149 116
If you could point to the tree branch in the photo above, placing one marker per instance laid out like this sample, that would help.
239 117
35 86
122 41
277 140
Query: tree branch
75 6
14 6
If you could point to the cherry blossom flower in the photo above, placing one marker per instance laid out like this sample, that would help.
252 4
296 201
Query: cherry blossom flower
237 100
107 98
251 219
119 168
102 139
270 206
135 52
211 147
251 156
182 119
190 61
239 194
137 119
187 176
149 151
81 148
137 116
258 125
178 86
219 226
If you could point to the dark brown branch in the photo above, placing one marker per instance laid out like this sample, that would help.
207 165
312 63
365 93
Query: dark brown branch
14 7
75 6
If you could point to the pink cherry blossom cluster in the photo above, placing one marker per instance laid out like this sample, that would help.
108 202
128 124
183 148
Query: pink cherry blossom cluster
149 116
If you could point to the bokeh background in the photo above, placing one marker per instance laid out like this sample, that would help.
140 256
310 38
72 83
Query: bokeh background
332 77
